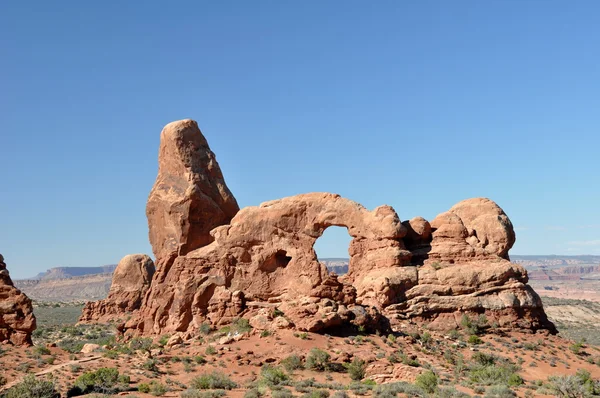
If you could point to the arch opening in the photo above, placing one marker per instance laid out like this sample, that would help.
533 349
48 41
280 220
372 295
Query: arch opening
332 249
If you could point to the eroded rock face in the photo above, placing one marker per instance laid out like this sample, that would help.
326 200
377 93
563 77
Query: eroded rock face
265 257
17 321
131 281
216 264
189 197
473 228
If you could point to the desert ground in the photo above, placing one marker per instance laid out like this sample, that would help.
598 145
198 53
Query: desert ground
239 362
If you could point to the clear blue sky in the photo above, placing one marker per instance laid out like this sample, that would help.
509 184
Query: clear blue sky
416 104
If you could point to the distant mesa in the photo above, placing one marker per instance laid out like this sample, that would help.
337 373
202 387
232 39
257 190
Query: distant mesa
68 284
216 263
17 321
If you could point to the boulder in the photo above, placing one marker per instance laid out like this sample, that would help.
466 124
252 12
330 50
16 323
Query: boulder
131 281
17 321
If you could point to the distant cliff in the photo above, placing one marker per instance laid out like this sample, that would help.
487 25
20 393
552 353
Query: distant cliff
69 284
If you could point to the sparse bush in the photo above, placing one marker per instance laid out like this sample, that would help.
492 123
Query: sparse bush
474 340
273 376
450 392
318 360
41 350
103 380
357 369
214 380
31 387
283 393
316 394
291 363
210 350
156 388
499 391
192 393
428 381
253 393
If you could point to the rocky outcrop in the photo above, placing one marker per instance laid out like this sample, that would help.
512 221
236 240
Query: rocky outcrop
130 282
189 197
216 264
17 321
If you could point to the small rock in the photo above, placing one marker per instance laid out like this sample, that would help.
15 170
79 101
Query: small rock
89 348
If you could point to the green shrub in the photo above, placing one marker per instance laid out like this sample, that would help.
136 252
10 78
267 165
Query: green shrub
428 381
499 391
144 387
253 393
157 389
450 392
316 394
241 325
103 380
283 393
273 376
210 350
212 381
293 362
41 350
318 360
391 390
357 369
31 387
192 393
474 339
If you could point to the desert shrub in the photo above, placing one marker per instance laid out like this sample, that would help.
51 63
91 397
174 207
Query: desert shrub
212 381
103 380
140 344
253 393
391 390
316 394
577 385
240 325
31 387
450 392
360 388
428 381
283 393
340 394
499 391
157 389
192 393
577 348
293 362
483 359
454 334
41 350
210 350
357 369
144 387
318 360
150 365
163 340
475 326
273 376
474 339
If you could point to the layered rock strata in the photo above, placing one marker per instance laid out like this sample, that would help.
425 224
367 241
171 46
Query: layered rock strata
17 321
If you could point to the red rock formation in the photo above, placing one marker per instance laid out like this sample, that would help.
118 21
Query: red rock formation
17 321
214 266
189 197
131 281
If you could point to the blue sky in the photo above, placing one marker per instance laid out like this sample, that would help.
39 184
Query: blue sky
413 104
